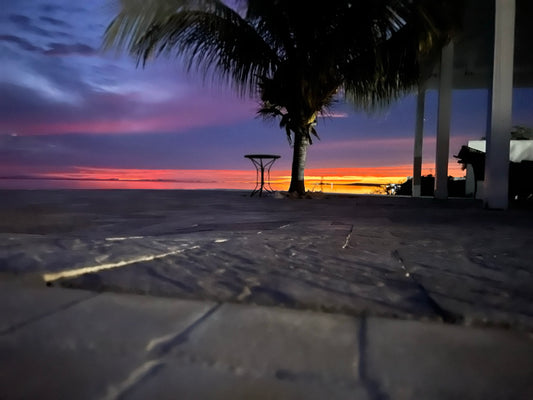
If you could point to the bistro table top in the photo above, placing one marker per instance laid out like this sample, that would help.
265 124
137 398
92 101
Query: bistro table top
274 156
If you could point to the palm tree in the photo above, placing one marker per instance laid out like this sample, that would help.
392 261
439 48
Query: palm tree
294 56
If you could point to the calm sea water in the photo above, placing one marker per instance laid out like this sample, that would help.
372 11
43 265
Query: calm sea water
311 185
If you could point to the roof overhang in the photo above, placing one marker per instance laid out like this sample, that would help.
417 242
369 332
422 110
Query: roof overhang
473 47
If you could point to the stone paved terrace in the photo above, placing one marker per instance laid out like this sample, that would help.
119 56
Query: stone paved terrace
213 294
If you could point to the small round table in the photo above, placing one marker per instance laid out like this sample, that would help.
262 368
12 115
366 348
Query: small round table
262 162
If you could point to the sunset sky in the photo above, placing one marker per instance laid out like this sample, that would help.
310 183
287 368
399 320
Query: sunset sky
69 110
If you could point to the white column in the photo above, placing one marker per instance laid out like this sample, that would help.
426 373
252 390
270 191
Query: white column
498 139
419 139
443 123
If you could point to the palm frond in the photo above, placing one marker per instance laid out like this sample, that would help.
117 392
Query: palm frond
401 57
208 36
293 54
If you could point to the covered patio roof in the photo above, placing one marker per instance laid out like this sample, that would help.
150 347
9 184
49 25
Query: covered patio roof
493 51
474 47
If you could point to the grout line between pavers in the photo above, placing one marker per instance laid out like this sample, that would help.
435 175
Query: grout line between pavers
181 337
347 241
446 315
37 318
138 375
72 273
371 385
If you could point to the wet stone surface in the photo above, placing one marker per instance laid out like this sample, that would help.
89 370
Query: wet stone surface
384 256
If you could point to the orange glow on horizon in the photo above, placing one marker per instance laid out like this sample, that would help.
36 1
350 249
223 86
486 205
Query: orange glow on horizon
341 180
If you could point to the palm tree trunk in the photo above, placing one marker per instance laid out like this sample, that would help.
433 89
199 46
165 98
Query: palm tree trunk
301 142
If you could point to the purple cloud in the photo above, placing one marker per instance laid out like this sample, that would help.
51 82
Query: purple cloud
62 49
55 21
22 43
25 23
20 20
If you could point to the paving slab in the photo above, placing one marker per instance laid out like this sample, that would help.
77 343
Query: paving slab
243 352
378 255
276 341
120 346
414 360
82 351
301 265
179 380
22 303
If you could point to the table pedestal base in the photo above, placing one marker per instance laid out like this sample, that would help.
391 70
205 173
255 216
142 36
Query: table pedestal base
262 163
